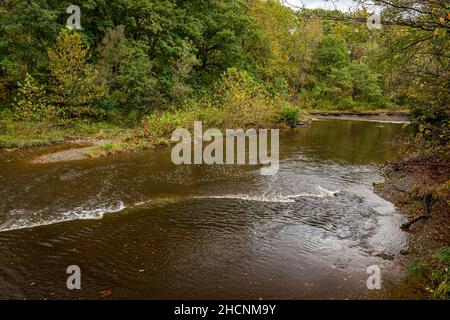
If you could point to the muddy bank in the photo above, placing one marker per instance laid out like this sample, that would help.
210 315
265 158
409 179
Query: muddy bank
401 188
404 186
376 116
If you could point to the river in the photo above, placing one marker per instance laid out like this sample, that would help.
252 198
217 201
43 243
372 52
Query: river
139 226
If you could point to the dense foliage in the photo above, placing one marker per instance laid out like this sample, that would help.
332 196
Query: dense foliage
135 58
415 59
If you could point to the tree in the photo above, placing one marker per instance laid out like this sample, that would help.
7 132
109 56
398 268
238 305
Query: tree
416 45
30 102
275 24
331 53
365 83
75 84
27 28
127 69
222 30
307 36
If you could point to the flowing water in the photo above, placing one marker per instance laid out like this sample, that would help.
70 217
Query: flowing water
141 227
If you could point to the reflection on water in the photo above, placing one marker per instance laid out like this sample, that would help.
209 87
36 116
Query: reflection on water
144 228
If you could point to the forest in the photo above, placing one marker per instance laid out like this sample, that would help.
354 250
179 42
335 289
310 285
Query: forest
154 65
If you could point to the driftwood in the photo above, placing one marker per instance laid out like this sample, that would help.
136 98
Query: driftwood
426 202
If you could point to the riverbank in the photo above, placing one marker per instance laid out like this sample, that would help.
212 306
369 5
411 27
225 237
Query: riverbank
25 134
93 140
378 115
420 192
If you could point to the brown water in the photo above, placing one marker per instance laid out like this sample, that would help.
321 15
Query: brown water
141 227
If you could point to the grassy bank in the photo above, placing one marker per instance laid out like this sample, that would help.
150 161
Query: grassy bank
20 134
152 131
156 130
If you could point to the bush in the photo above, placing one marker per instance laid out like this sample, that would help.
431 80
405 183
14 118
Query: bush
289 115
245 102
160 125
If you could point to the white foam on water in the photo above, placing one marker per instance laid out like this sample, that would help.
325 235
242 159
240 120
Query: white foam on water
23 219
388 238
33 220
380 205
246 197
322 192
319 192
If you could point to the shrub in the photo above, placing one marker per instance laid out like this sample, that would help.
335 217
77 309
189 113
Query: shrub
244 101
289 115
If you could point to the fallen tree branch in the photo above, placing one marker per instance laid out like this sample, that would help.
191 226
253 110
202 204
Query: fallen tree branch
426 202
408 224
